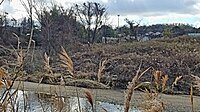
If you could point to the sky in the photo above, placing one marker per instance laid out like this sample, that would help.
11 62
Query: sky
148 11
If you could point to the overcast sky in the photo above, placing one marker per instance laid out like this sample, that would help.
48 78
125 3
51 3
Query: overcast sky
149 11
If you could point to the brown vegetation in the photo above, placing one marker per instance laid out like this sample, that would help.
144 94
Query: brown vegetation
122 61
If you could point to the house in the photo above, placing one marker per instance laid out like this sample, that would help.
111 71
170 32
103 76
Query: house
194 34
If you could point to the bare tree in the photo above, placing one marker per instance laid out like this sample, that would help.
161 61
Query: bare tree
133 27
57 26
29 9
91 15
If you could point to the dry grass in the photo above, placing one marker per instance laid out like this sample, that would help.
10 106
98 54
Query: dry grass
89 97
197 82
191 98
59 103
129 93
66 62
152 101
7 97
49 71
4 81
1 84
131 87
101 68
20 58
164 82
157 76
47 66
2 72
160 81
176 81
153 105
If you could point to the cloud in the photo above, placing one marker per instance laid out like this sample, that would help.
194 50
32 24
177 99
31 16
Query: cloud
6 7
151 11
152 7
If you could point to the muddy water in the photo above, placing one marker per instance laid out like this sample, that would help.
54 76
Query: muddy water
111 98
41 102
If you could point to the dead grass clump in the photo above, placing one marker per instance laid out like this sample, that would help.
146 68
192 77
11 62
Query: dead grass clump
153 105
152 102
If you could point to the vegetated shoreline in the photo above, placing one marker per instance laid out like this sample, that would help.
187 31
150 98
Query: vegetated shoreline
172 103
174 57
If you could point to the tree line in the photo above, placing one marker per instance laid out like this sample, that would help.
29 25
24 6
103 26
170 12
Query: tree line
51 26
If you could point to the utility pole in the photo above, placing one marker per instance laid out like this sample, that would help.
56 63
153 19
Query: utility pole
118 26
118 20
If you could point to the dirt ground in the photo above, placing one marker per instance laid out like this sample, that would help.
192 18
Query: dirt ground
173 103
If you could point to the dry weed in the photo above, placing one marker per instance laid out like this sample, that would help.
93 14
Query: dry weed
153 105
131 87
157 77
152 102
176 81
66 61
89 97
197 82
164 82
2 72
47 66
101 68
191 98
1 84
3 79
20 58
160 81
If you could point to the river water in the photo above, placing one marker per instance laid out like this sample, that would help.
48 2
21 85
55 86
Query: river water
40 102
